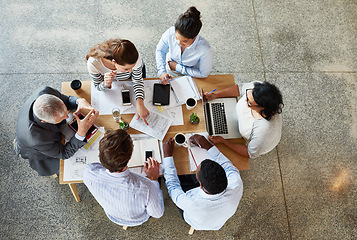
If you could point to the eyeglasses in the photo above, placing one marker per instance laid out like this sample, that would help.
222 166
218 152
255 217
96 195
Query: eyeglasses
246 95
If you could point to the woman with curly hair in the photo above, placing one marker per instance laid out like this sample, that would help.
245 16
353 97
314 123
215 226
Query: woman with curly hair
259 117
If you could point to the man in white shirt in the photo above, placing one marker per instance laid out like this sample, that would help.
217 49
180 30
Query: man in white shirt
127 198
210 205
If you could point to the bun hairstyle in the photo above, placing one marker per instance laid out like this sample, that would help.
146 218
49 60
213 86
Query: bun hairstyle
189 24
121 50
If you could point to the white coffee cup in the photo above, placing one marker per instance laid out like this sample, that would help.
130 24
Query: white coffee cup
191 103
180 140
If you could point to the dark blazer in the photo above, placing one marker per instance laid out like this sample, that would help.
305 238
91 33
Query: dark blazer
39 142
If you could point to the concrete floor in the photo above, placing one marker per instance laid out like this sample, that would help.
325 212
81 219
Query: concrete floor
303 189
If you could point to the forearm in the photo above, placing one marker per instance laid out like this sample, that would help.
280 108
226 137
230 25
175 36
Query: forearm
98 81
161 58
232 91
238 148
171 179
202 71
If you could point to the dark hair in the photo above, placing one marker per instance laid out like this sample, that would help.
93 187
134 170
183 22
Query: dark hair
268 96
122 51
212 177
189 24
115 150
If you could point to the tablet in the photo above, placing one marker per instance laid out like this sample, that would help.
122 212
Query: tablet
161 94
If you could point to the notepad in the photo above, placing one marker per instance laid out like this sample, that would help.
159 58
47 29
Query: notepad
161 94
196 154
140 146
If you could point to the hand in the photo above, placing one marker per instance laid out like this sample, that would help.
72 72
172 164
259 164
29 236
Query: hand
108 79
84 105
86 123
210 96
151 168
168 147
201 140
216 139
165 78
142 111
172 65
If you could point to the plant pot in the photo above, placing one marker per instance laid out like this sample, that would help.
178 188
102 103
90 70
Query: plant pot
124 127
195 122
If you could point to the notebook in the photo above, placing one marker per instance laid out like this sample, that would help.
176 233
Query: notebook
140 146
220 117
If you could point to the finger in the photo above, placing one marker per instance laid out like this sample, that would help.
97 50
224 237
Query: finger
76 116
145 165
144 118
88 116
149 163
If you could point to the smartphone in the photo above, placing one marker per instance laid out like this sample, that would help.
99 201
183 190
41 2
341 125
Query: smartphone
125 96
148 154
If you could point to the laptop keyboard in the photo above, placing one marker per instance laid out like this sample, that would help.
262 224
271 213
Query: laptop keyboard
219 118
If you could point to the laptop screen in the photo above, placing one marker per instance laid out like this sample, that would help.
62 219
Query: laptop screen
207 113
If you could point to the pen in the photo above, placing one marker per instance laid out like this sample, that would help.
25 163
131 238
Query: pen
213 90
167 79
197 142
176 98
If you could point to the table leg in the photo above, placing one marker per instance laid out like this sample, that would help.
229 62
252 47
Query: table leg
73 188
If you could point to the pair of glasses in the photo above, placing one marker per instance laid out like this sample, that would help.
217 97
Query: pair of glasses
246 95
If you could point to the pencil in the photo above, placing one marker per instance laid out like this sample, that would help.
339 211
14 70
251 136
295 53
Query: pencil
193 157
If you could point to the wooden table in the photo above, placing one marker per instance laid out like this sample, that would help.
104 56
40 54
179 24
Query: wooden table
180 153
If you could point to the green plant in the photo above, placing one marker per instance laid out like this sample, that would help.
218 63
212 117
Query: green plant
123 125
194 117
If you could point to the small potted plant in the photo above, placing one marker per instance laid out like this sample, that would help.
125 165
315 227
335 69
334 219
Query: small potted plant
194 119
123 125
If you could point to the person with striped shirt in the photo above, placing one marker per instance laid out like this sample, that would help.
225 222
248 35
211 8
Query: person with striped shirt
118 59
128 199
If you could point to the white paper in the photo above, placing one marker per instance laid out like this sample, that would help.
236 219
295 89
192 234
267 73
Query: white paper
105 101
184 87
74 166
157 128
199 154
142 145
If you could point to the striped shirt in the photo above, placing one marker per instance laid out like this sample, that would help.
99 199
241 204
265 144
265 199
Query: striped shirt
128 199
97 69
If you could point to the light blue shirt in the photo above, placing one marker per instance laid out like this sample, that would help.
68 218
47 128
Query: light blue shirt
195 61
201 210
127 198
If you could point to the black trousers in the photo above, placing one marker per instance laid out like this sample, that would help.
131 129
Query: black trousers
187 183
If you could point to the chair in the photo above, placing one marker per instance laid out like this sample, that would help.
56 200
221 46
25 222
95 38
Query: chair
190 232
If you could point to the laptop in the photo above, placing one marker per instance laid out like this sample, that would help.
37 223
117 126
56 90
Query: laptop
220 117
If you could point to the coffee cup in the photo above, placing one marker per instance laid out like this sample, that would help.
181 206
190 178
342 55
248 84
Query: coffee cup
191 103
180 140
76 84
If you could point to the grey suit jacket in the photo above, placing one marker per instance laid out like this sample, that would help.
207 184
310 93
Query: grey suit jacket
39 142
